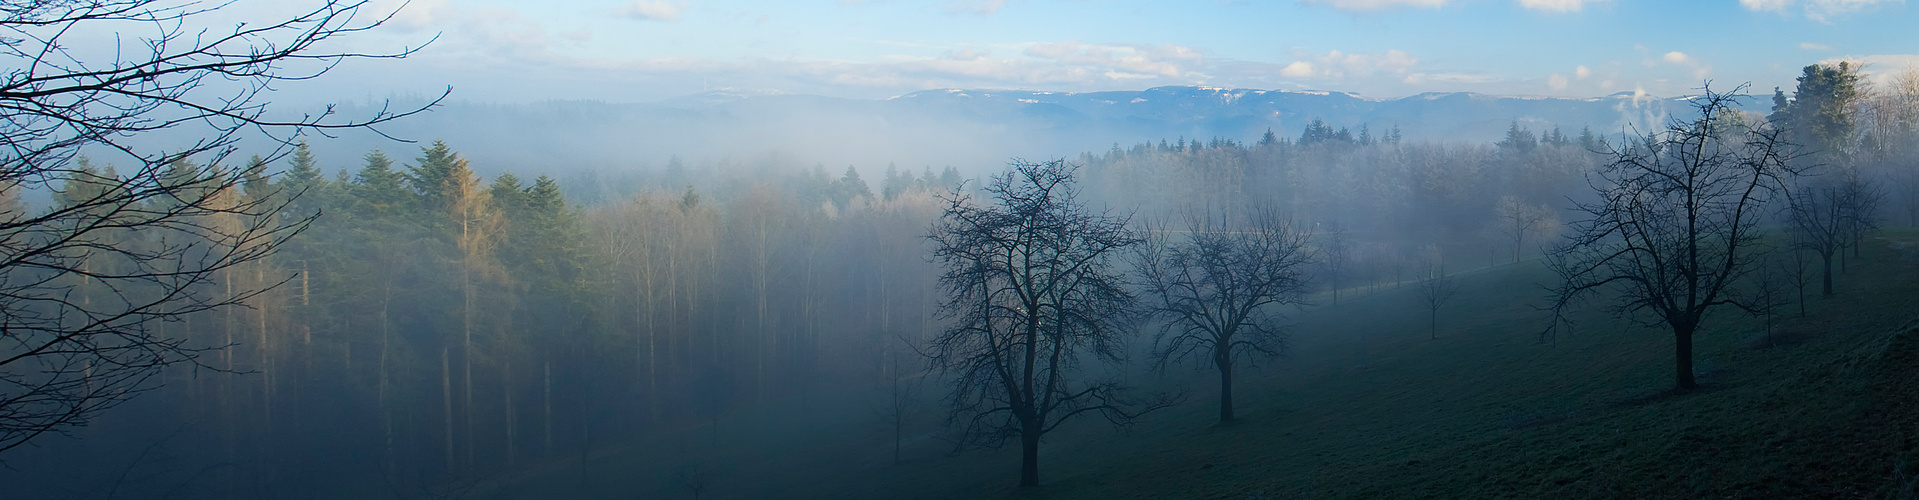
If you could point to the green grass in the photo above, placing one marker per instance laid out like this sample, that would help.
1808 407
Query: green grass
1367 406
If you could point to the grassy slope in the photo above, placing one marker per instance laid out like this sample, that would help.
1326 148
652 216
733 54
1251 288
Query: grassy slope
1367 406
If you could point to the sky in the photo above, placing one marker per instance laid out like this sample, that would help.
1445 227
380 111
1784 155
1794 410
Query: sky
514 51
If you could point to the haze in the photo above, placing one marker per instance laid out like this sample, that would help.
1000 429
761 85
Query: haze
959 249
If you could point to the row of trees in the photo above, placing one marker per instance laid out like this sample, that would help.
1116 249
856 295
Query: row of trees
1681 226
1675 226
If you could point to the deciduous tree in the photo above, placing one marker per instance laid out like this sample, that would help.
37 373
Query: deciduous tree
1676 224
1031 292
1219 286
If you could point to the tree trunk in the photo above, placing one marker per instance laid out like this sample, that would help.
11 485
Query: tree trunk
547 399
446 409
512 413
1432 325
1682 340
1825 282
1029 454
1223 358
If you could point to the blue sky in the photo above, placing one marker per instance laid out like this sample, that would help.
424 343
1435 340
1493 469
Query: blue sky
648 50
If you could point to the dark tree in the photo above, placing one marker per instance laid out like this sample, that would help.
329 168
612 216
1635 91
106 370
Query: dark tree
1795 270
86 284
1517 220
1030 292
1676 224
1820 114
1768 293
1818 214
898 401
1337 254
1435 288
1219 287
1832 214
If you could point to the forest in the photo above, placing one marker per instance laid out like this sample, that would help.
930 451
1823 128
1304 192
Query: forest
290 325
458 328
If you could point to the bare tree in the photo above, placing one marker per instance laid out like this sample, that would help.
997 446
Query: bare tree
1435 287
1832 215
1675 227
84 283
1220 286
1796 271
1768 293
1031 290
1518 221
896 406
1338 254
1862 209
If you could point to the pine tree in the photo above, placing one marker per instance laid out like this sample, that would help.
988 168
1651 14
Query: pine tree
434 174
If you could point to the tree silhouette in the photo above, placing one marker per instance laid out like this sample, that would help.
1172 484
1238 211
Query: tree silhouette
1676 224
1030 292
1218 287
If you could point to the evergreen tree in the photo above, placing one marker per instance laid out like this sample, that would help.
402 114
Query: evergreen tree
850 187
302 170
1587 139
950 178
1265 141
378 188
1518 140
508 197
434 173
1819 115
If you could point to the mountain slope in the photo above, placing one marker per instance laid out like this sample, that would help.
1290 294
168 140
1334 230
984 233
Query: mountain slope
1367 406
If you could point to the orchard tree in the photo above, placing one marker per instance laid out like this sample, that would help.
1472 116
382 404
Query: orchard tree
1031 293
1676 223
1219 286
1829 216
1517 221
1435 287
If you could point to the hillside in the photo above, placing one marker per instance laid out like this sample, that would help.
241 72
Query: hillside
1367 406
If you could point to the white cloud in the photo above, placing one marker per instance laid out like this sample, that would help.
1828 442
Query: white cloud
1336 65
976 7
1765 5
1425 78
1556 5
1814 46
1162 60
1817 10
1880 68
1557 82
1699 69
1582 72
653 10
1378 5
1298 69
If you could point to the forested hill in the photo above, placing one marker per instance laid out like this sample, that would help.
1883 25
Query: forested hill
968 129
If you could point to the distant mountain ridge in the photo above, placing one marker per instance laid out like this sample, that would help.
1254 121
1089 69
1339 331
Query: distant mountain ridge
967 128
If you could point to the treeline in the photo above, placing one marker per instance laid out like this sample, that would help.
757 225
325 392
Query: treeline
432 328
1375 204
